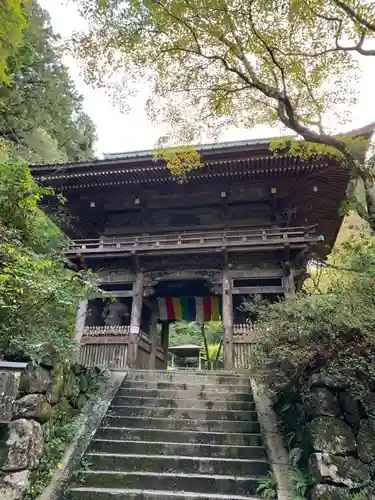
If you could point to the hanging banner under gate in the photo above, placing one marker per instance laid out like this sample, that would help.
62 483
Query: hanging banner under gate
199 309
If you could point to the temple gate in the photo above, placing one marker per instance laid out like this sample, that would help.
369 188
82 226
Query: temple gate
192 247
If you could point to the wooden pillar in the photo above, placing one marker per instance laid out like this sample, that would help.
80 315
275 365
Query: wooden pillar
135 318
165 342
136 315
132 351
228 320
153 332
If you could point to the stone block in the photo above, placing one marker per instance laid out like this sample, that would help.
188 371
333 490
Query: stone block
35 380
350 407
368 401
332 435
9 382
366 440
327 492
14 486
341 471
321 402
23 446
330 380
33 406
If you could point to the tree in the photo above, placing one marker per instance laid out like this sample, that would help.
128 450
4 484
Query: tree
183 332
41 111
38 294
14 18
219 63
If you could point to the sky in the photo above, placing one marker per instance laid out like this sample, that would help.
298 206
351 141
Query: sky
120 132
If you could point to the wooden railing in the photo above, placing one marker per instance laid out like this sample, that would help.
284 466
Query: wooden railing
114 346
106 331
196 239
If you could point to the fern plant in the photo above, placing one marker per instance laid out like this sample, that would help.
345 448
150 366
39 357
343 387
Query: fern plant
299 484
268 486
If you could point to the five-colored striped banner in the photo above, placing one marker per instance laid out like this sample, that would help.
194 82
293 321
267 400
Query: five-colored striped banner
200 309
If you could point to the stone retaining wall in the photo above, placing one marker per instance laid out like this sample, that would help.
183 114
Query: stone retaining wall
44 391
341 429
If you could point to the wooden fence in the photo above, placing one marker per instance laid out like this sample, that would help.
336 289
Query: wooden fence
244 338
115 347
104 355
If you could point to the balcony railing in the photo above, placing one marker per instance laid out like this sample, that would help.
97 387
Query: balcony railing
236 238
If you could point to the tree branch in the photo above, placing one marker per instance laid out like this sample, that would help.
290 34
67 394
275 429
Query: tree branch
355 15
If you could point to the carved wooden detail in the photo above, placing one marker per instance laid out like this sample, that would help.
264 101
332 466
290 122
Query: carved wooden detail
116 276
285 218
185 274
148 291
106 331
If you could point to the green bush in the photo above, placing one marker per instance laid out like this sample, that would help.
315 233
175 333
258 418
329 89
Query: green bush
334 331
38 293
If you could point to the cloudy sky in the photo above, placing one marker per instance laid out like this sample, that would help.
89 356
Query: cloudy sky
132 131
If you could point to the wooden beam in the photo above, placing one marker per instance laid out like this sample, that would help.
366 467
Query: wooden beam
257 272
106 340
228 320
247 290
114 293
165 342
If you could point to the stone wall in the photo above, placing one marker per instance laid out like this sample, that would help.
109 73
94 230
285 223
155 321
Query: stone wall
341 431
44 392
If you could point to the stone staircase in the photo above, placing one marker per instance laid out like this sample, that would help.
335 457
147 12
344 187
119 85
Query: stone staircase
174 436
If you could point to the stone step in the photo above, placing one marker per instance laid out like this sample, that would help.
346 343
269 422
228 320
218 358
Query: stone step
193 373
99 445
181 377
141 494
185 437
183 403
181 424
176 463
182 413
193 386
208 395
170 481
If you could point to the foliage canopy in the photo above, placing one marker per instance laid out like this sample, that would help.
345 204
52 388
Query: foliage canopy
38 294
41 113
14 18
220 63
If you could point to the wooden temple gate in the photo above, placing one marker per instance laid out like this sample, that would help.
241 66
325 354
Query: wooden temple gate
244 223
